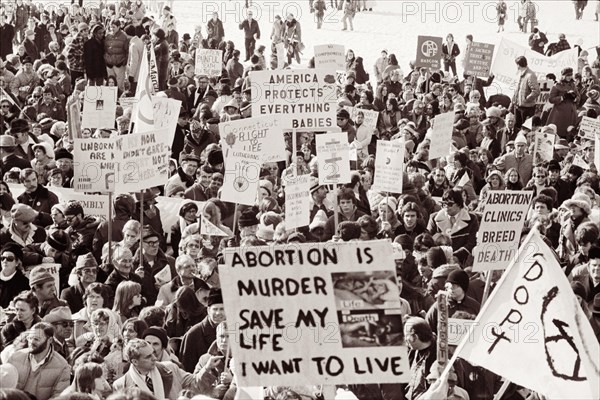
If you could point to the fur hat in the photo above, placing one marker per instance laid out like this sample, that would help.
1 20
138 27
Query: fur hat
580 200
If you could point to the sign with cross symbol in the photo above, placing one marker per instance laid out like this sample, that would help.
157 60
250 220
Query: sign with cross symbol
333 152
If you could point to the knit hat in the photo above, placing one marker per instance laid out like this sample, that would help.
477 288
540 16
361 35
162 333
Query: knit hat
265 184
248 218
319 220
58 314
188 207
58 240
214 297
39 275
593 94
74 208
391 202
23 213
13 248
160 333
580 200
62 153
85 261
459 277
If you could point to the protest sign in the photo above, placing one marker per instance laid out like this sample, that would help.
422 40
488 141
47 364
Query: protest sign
208 228
95 167
479 59
242 173
169 209
52 269
504 67
96 205
99 107
369 117
209 62
589 128
441 137
429 52
260 135
389 165
545 88
334 158
143 161
153 70
304 98
442 327
498 237
299 318
127 102
458 329
533 318
297 202
74 117
580 162
330 56
340 78
544 147
166 113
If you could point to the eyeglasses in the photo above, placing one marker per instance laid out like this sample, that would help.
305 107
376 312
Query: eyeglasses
65 324
539 176
5 106
153 243
7 258
70 218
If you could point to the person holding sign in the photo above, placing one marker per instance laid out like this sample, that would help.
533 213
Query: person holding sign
347 211
564 96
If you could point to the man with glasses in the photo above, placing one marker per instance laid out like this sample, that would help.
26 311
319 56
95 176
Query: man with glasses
518 159
251 34
197 96
62 321
186 271
185 175
154 261
454 220
86 270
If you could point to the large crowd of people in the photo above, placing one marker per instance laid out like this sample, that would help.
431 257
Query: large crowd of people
111 325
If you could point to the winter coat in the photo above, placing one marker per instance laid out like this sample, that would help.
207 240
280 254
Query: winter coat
21 16
75 55
116 47
277 32
524 165
93 56
564 111
379 67
7 34
124 209
463 233
161 261
161 50
527 90
214 30
10 288
48 381
250 29
196 343
31 49
82 236
208 377
40 200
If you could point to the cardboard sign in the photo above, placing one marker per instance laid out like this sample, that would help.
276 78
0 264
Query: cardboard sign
297 202
544 147
505 70
242 172
303 98
389 166
589 128
169 209
370 117
441 137
545 88
94 165
309 310
99 107
429 52
260 135
74 118
334 158
331 56
458 329
498 237
210 229
209 62
166 113
479 59
143 161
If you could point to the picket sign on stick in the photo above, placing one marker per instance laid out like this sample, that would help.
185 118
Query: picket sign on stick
502 389
110 227
442 326
142 227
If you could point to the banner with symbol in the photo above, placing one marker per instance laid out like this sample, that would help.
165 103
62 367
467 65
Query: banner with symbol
389 165
333 152
242 172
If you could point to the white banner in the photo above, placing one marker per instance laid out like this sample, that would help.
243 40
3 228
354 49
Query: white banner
242 173
370 117
544 147
260 135
304 98
142 115
500 230
169 209
333 152
389 166
589 128
306 309
99 107
441 137
166 113
209 62
297 202
94 165
332 56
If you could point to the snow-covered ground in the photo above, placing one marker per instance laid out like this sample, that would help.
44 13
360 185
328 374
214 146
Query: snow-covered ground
394 24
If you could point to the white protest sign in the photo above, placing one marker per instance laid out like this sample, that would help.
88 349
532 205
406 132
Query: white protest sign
96 205
209 62
94 165
597 151
479 59
163 276
389 166
74 117
153 71
260 135
458 329
142 115
340 333
501 224
332 56
544 147
51 268
545 88
242 172
340 78
441 137
580 162
589 128
369 117
533 320
143 161
208 228
169 209
99 107
127 102
304 98
334 158
505 70
166 113
297 202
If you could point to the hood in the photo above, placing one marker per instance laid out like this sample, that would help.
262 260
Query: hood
90 222
124 206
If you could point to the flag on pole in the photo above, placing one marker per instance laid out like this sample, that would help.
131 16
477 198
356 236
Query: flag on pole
463 181
533 332
143 111
208 228
5 96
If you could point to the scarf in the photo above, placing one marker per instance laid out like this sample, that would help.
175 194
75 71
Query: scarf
140 381
19 239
